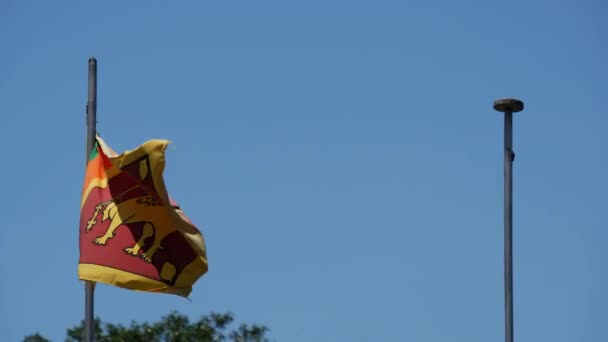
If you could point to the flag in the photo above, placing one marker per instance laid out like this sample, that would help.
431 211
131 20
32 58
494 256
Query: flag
132 235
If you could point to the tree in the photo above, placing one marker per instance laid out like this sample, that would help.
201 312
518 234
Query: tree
171 328
35 338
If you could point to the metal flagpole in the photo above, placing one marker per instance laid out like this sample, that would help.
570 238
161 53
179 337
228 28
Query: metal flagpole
89 320
508 106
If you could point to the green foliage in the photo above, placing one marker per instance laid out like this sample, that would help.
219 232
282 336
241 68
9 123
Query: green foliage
35 338
174 327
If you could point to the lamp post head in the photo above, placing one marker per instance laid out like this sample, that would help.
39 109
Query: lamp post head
508 105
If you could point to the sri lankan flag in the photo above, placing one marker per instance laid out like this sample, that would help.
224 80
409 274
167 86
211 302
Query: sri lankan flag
132 235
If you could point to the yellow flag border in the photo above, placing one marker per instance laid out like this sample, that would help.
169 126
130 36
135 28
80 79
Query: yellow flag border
128 280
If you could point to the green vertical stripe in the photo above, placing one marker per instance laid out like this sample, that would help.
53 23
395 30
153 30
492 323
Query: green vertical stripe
95 152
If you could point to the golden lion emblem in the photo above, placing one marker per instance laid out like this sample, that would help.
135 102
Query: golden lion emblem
136 210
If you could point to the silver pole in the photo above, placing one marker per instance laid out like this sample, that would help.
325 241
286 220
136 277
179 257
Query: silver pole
508 217
508 106
89 319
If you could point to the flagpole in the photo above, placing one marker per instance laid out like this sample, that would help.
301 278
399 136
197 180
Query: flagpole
89 320
508 107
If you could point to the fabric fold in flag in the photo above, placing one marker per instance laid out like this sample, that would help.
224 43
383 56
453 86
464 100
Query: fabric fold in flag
132 234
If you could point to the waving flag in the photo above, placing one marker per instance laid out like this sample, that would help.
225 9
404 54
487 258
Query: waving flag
132 235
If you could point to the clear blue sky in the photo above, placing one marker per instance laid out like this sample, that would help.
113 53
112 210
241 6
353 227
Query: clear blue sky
342 159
